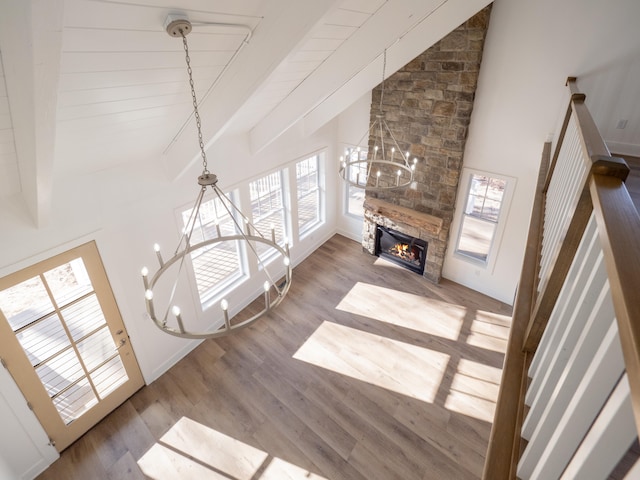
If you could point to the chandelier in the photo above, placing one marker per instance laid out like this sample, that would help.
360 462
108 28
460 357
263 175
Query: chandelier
383 168
246 233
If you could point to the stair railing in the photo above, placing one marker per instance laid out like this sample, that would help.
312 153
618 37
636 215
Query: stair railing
571 376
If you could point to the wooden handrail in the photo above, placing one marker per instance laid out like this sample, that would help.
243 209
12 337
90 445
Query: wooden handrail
504 441
619 232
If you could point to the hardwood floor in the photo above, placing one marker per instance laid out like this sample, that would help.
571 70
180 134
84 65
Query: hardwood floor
366 371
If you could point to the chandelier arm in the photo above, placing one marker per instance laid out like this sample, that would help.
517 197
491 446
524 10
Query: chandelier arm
384 155
191 222
255 253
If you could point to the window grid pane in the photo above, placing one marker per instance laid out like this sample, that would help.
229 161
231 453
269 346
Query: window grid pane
267 208
214 266
356 173
308 193
480 217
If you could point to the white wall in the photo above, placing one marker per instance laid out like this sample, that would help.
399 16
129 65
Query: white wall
531 48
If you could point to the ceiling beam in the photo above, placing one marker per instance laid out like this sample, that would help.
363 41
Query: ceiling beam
31 43
268 47
405 28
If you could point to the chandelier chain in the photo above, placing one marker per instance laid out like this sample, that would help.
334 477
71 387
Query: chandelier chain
384 68
196 113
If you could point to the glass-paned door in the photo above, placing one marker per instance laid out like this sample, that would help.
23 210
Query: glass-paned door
64 342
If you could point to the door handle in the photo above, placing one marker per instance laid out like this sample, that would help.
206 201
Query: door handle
120 332
121 343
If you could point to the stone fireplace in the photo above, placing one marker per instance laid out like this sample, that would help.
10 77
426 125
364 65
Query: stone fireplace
427 105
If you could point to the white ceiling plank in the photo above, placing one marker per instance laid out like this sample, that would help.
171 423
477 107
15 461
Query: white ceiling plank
110 108
7 149
82 62
6 136
100 121
114 94
235 7
347 18
269 46
308 56
417 24
366 6
92 80
91 14
30 41
120 40
10 179
323 44
335 31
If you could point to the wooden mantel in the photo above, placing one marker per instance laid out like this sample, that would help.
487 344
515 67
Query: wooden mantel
399 214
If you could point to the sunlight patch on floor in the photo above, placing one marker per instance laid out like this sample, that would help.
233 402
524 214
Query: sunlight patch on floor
278 469
425 315
474 390
490 331
190 450
397 366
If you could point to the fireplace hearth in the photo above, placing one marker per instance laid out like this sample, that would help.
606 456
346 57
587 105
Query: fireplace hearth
405 250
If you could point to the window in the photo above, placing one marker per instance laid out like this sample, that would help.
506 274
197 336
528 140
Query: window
356 173
267 208
480 216
216 266
307 185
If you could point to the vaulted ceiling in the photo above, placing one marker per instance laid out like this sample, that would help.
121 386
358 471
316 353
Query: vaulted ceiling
87 85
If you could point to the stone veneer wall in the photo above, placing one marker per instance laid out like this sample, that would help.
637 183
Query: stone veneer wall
427 105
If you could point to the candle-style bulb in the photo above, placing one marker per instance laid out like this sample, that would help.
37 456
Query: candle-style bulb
144 272
266 286
287 261
148 294
156 247
175 310
224 305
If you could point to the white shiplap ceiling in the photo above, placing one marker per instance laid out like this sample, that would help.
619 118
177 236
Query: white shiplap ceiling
96 84
90 85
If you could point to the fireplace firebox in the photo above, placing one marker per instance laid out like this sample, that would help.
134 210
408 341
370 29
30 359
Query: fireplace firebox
405 250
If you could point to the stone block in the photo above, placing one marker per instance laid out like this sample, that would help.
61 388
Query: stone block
456 41
443 108
448 78
469 78
452 144
452 66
